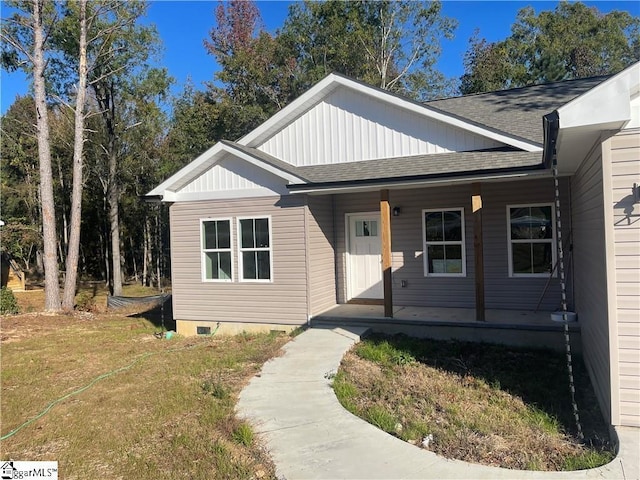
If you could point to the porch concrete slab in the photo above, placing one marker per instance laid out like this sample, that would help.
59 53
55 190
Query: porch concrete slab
309 434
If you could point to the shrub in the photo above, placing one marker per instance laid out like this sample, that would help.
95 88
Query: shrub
8 302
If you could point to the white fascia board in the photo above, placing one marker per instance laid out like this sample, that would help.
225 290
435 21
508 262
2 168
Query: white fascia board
264 166
169 183
606 104
207 160
332 81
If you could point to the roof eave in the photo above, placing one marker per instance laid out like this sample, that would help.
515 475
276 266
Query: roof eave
419 180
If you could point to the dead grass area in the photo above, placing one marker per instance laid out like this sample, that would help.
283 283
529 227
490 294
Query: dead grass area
486 404
168 414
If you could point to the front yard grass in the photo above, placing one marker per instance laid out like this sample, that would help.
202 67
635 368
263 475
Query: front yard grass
489 404
169 416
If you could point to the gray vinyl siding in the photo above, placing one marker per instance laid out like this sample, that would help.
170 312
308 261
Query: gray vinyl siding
501 291
282 301
625 159
591 300
320 242
519 293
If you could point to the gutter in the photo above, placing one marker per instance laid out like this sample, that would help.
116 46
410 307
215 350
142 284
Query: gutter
550 128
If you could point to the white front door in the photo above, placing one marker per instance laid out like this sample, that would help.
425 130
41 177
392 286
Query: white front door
365 261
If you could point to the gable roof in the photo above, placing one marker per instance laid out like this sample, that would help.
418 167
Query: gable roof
333 81
518 111
209 158
511 117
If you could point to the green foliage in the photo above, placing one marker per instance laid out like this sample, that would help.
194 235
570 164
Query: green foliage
384 353
243 434
572 41
8 302
588 459
392 45
381 418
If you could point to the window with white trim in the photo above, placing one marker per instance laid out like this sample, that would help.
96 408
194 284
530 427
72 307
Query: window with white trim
531 240
444 250
216 250
254 235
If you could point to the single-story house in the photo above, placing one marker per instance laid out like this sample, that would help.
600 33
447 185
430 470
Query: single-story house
351 194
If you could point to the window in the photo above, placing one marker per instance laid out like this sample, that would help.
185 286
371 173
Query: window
366 228
531 240
255 249
444 252
216 250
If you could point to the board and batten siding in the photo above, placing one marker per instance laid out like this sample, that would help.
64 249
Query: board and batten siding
501 291
590 267
348 126
625 171
282 301
322 260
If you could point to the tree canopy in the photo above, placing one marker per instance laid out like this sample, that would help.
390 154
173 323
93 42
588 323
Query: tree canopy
571 41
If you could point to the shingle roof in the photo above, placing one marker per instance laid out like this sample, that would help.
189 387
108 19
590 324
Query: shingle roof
437 165
518 111
266 158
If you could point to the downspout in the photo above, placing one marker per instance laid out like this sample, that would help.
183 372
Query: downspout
550 129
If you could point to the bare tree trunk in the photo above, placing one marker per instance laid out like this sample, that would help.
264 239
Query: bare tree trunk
114 223
65 223
159 250
68 300
148 256
51 284
133 258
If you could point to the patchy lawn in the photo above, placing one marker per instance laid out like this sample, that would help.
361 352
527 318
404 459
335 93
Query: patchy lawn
168 414
488 404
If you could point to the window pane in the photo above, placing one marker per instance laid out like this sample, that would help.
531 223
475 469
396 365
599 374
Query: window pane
541 222
264 267
224 234
520 219
433 225
209 234
224 266
436 260
262 232
249 265
246 233
521 257
542 258
453 255
210 261
373 228
452 226
359 228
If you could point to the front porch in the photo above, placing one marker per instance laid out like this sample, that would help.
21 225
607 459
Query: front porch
510 327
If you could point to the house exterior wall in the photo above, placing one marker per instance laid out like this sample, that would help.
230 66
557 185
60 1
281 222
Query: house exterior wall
501 291
282 301
591 296
349 126
320 241
625 171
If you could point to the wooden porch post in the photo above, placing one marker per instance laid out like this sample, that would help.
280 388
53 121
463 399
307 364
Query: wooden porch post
478 250
385 217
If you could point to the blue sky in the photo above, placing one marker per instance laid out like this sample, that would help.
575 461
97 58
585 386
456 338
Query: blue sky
183 25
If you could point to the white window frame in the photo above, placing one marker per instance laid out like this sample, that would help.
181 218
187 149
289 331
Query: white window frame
551 240
425 244
241 250
204 251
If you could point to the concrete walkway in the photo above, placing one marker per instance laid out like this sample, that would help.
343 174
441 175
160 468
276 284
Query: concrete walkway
310 435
